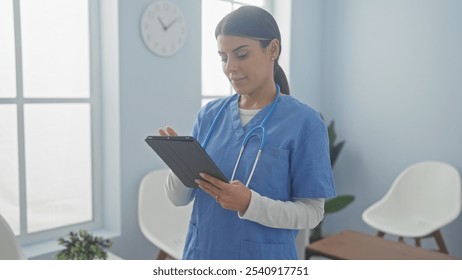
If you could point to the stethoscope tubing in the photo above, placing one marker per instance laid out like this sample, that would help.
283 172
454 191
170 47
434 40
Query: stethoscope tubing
248 136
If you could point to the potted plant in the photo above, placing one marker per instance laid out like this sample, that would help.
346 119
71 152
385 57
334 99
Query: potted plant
83 246
341 201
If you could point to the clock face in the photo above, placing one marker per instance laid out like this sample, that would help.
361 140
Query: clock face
163 27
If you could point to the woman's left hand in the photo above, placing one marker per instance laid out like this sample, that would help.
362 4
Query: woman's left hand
232 196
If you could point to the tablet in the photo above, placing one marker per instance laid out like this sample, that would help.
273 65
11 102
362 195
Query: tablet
185 157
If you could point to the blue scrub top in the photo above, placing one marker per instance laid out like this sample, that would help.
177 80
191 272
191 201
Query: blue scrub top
294 163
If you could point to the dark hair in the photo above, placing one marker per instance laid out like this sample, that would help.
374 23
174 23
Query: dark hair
255 23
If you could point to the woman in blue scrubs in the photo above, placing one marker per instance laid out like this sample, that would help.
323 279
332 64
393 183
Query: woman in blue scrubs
258 213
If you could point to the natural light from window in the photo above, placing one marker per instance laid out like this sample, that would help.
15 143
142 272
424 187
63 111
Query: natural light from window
46 178
53 43
7 52
214 82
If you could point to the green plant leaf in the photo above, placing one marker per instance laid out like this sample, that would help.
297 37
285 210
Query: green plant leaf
83 246
337 203
332 134
335 151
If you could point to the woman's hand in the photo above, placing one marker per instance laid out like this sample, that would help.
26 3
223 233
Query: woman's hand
167 132
232 196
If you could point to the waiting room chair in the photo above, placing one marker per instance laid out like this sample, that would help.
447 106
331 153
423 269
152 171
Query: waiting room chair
9 245
425 197
162 223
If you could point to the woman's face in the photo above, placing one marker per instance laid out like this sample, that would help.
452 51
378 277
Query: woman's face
247 65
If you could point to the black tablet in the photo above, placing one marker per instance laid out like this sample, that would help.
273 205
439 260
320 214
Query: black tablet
185 157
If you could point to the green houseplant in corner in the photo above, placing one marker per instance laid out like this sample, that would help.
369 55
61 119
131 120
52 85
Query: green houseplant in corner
83 246
341 201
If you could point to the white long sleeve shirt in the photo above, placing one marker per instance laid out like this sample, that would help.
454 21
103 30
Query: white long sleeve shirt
299 214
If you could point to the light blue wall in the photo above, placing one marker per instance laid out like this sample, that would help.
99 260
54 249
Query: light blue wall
307 51
391 79
154 92
388 71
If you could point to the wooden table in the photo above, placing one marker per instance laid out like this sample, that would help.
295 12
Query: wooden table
352 245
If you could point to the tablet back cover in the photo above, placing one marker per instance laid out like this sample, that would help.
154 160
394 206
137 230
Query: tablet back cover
185 157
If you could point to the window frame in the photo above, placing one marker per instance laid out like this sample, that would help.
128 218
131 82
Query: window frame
104 114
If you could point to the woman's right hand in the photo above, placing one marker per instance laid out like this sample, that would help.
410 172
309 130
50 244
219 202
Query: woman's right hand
168 131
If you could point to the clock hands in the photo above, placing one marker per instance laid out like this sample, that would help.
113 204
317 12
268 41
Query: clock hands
166 27
162 23
171 23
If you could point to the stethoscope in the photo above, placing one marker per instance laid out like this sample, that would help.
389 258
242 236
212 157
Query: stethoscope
248 136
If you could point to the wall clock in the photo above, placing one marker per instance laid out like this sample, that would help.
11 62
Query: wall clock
163 28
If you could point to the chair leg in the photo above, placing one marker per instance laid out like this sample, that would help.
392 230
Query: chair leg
439 240
162 255
436 234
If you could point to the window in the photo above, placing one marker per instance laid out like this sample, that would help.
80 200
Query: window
214 82
49 118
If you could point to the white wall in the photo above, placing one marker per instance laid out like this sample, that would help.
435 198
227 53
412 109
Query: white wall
391 79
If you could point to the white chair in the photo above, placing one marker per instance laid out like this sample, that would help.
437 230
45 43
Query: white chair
425 197
9 245
162 223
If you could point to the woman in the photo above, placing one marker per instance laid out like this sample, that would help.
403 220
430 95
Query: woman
258 213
